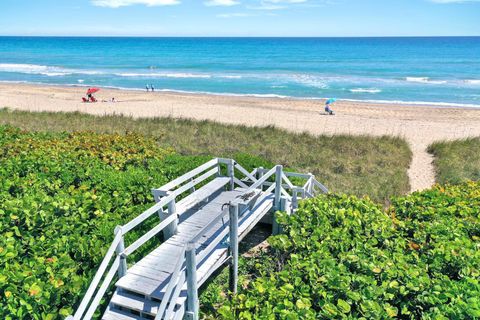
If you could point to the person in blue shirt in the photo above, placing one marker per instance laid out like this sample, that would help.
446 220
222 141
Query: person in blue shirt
328 104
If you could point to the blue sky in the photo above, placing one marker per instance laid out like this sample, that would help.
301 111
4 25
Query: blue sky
240 17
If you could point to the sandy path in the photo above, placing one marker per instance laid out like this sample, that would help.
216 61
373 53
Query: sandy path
420 126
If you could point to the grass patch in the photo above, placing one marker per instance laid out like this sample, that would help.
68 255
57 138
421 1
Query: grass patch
359 165
456 161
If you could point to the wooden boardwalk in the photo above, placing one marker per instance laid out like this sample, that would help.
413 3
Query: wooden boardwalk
201 234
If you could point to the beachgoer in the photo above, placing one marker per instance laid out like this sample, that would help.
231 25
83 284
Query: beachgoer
151 87
328 103
113 99
146 87
328 110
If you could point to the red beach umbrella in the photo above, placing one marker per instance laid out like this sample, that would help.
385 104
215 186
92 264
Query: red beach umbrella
92 90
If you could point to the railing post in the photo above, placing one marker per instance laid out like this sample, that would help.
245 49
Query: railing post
260 175
294 200
122 268
171 229
276 229
310 185
278 186
219 168
192 189
233 210
231 173
192 286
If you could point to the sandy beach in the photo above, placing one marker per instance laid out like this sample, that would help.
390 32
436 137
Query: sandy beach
419 125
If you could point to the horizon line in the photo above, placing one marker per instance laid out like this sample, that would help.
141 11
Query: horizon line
234 36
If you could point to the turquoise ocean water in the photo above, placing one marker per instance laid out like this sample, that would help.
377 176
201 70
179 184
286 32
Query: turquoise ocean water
444 71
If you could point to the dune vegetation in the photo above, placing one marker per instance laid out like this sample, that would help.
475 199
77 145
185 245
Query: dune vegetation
358 165
456 161
62 192
341 257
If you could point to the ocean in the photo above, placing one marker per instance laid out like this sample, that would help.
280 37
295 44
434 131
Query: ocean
426 70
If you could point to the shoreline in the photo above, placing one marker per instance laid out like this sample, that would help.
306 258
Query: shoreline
429 104
418 125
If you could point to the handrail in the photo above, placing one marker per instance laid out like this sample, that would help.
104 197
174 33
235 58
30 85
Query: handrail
98 276
245 172
261 180
287 181
240 183
321 186
176 294
194 182
176 182
147 236
289 174
174 281
147 214
103 288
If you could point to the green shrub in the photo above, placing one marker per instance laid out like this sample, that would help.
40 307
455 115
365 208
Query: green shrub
343 257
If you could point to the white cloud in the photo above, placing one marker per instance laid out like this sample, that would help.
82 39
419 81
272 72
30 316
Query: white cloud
221 3
124 3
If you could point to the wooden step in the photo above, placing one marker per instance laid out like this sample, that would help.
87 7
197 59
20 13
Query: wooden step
114 314
135 302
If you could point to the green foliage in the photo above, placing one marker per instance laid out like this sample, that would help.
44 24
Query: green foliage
345 258
61 196
457 161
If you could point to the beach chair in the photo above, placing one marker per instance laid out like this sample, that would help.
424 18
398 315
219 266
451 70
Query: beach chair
84 99
92 98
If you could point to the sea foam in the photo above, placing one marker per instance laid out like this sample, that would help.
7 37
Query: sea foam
365 90
424 80
50 71
164 75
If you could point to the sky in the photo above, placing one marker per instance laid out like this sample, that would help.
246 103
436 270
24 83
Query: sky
306 18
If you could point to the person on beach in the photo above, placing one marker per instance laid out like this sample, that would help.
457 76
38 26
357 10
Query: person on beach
328 104
146 87
152 88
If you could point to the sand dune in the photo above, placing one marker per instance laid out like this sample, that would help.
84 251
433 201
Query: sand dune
420 126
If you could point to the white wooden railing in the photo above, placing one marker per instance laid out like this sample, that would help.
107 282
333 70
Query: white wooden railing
259 181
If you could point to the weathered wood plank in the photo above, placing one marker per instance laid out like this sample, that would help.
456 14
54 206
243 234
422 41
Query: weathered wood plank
136 303
151 273
120 315
201 194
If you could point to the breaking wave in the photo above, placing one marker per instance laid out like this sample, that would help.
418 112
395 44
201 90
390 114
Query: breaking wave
365 90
